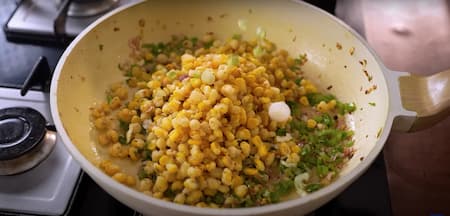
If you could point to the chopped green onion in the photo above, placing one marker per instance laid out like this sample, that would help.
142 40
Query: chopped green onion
313 187
316 98
123 125
233 60
194 40
372 104
281 132
122 140
260 33
172 74
242 24
298 81
258 51
208 45
108 98
237 36
344 108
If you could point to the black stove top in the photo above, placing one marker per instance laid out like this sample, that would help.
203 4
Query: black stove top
369 195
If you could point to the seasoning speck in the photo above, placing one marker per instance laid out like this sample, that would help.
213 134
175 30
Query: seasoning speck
361 158
209 18
372 104
294 39
141 22
345 66
351 50
338 46
116 29
100 47
250 11
329 87
223 15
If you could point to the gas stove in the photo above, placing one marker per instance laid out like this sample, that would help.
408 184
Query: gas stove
57 185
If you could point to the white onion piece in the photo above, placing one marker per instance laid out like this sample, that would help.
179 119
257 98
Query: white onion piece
279 111
285 138
299 183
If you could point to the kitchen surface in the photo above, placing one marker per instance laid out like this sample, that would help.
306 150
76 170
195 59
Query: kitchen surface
410 177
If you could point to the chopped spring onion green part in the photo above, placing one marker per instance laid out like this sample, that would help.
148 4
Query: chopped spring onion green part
233 60
242 24
281 132
258 51
172 74
260 33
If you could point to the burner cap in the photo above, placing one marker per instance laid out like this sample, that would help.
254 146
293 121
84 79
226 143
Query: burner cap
25 140
21 129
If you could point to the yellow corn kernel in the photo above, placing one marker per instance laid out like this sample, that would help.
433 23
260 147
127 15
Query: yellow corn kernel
295 149
243 134
241 190
145 184
195 82
201 205
227 162
213 183
132 152
226 101
209 192
293 158
171 168
245 147
237 180
215 148
264 100
269 159
158 195
284 149
227 176
194 172
159 132
331 104
120 177
223 188
161 184
279 74
103 139
250 171
176 185
304 101
163 160
180 198
256 140
210 166
262 150
174 135
194 142
322 107
252 122
190 184
229 135
310 88
259 165
194 197
151 146
311 123
130 181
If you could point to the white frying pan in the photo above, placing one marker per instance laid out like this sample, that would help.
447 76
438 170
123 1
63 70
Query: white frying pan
84 72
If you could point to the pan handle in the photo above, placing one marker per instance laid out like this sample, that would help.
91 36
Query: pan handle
424 100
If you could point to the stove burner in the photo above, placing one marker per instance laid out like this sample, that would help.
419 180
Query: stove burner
24 139
85 8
